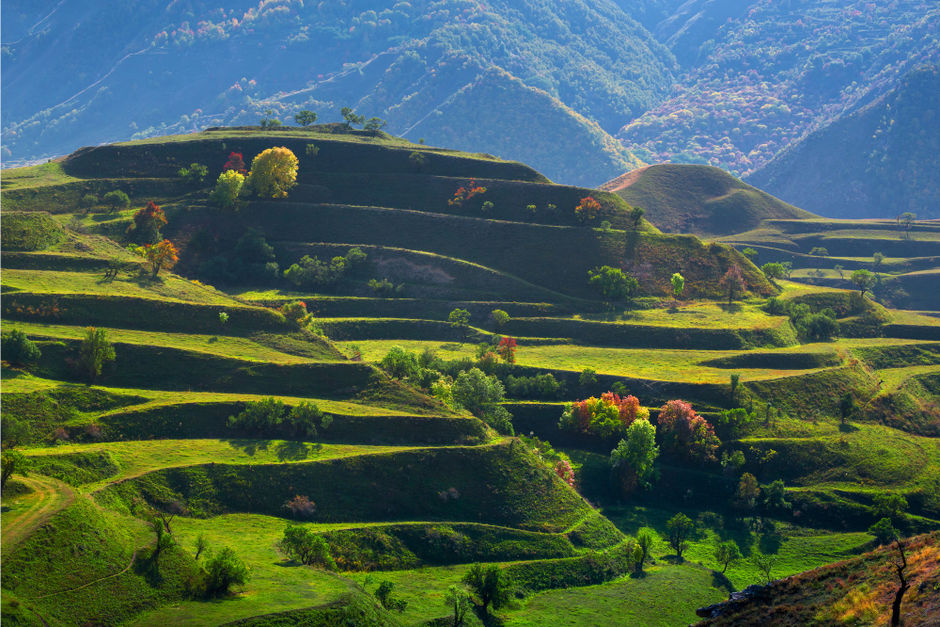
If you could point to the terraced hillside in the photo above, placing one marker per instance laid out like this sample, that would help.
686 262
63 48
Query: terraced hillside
401 484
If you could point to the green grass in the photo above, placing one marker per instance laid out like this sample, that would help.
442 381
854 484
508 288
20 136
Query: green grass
30 231
36 176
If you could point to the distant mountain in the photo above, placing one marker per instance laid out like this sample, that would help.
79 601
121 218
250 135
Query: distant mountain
880 161
699 199
454 72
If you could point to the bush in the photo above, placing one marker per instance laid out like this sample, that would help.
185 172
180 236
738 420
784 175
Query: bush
399 363
386 288
116 199
307 547
542 386
605 417
227 188
481 395
19 350
223 571
195 174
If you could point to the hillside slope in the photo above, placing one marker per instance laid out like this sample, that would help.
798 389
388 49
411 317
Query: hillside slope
699 199
879 161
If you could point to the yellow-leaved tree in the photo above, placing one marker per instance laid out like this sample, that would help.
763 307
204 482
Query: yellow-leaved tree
273 172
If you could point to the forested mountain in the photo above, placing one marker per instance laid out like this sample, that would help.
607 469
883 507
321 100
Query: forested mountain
582 90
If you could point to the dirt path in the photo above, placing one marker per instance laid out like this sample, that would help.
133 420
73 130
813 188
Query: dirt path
48 497
623 181
91 583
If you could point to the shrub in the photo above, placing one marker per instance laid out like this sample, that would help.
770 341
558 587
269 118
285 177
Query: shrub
94 352
499 319
12 462
227 188
587 209
384 287
305 546
542 386
384 594
399 363
686 433
612 283
301 507
489 584
19 350
481 395
195 174
223 571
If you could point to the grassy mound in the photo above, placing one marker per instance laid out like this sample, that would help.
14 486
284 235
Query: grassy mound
699 199
30 231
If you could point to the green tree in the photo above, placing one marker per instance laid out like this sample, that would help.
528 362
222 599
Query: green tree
635 455
847 407
224 570
678 285
350 118
94 352
906 221
306 546
87 201
481 394
750 253
164 541
374 125
305 117
116 199
12 462
636 216
499 318
460 320
400 363
269 121
227 188
819 251
773 270
883 531
863 279
644 542
877 260
612 284
735 380
747 493
587 378
384 594
202 545
195 174
678 531
417 160
774 496
457 599
19 350
490 584
726 554
765 564
890 505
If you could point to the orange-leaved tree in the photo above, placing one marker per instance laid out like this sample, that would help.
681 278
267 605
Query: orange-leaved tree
273 172
587 209
606 416
160 255
148 222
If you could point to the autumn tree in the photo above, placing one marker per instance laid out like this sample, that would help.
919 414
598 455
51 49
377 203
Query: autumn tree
94 352
587 209
148 222
732 282
612 283
607 416
678 531
687 433
305 117
235 163
227 188
162 255
273 172
507 350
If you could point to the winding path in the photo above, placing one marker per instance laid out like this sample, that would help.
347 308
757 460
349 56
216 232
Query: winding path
48 497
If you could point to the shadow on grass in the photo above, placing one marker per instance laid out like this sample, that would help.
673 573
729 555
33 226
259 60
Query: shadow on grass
847 428
291 451
719 580
770 543
730 308
249 447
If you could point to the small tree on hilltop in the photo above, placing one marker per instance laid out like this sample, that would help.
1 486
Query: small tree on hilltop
678 531
636 217
350 118
273 172
732 282
587 209
612 284
116 199
678 285
374 125
94 352
305 117
148 222
160 256
490 584
460 319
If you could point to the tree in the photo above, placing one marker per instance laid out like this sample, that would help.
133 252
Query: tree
202 544
877 260
883 531
819 251
95 351
732 282
306 546
726 554
847 406
269 121
12 462
636 216
903 585
840 269
587 209
301 507
612 284
889 505
374 125
735 380
605 225
148 222
499 319
773 270
227 188
687 433
507 349
235 163
384 594
305 117
587 378
750 253
678 531
399 363
481 394
460 319
19 350
490 584
458 600
906 221
644 542
195 174
116 199
635 455
350 118
678 285
863 279
774 496
747 493
273 172
87 201
160 255
224 570
417 160
765 564
606 417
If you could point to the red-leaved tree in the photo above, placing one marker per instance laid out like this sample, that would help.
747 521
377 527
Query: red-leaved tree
687 433
465 193
237 163
507 349
587 209
607 416
148 222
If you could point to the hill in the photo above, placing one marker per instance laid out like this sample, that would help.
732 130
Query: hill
229 415
423 66
882 152
699 199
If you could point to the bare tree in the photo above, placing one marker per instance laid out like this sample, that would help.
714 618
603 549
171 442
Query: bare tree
905 585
